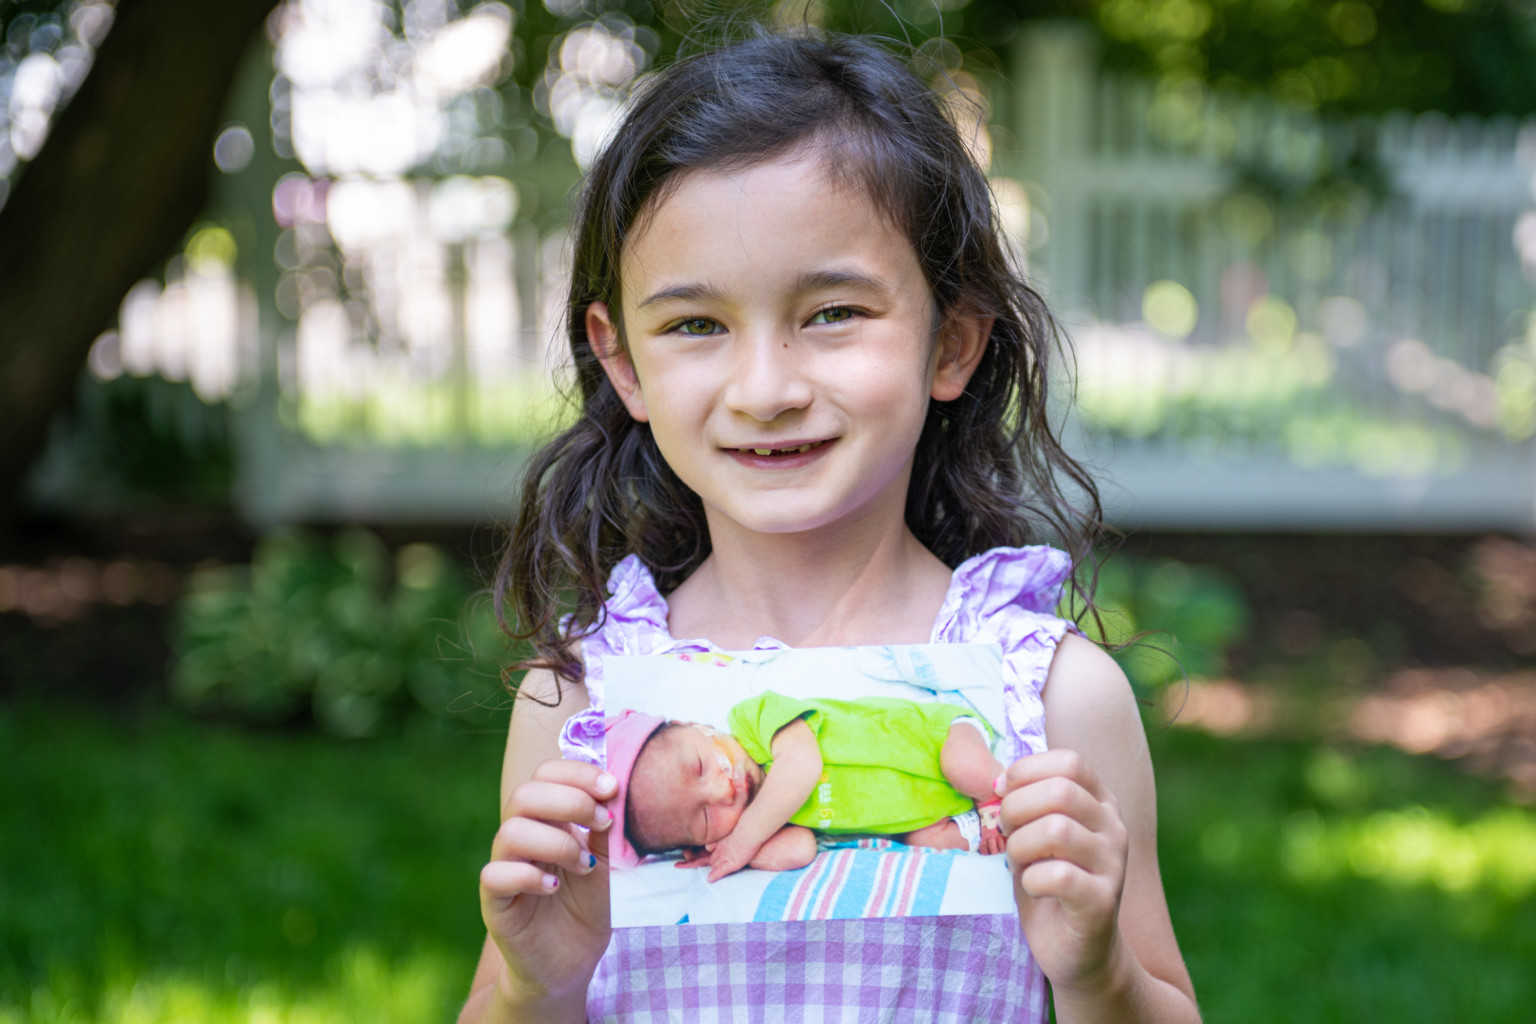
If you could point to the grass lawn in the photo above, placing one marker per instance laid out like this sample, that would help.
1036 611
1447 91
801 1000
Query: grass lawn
160 870
167 871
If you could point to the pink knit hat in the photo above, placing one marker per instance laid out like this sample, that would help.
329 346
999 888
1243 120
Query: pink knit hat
626 732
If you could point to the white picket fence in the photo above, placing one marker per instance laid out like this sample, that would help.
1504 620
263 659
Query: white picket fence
1365 362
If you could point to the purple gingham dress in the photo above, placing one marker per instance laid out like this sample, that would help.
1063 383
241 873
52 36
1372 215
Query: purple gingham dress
941 969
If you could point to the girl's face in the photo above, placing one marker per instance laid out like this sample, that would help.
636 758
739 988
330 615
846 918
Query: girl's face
690 786
781 345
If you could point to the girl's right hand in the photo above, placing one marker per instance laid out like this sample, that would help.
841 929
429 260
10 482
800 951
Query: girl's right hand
544 894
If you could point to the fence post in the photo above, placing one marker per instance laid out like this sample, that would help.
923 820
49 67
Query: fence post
1054 71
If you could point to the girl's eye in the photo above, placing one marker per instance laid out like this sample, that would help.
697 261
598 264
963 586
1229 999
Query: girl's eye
697 327
834 315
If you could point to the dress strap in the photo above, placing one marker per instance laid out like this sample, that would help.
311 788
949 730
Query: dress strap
1008 596
1030 578
634 621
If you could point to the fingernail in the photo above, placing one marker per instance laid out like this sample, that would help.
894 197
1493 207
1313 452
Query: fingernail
997 783
607 783
591 862
551 883
603 818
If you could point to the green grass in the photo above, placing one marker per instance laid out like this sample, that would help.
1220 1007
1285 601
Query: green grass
164 871
1314 884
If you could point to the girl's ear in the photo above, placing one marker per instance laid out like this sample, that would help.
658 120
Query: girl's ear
603 335
962 343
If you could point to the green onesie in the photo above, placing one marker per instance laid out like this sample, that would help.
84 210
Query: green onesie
879 756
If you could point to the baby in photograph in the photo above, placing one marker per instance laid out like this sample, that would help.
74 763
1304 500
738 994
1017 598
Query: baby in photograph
920 773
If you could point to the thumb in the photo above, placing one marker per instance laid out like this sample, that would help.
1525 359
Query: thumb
597 842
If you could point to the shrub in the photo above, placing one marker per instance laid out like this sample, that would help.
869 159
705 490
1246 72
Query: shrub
339 630
1195 615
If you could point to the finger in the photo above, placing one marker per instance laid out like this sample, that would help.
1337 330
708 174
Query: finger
1056 794
505 879
556 801
1058 837
1057 762
1060 762
524 839
1080 892
721 866
589 777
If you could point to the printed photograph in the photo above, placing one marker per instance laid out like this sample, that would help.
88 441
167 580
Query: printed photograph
820 783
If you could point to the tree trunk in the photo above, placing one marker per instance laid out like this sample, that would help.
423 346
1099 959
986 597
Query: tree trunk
123 175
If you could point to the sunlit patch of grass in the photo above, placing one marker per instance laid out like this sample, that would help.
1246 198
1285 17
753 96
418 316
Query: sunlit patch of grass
360 985
1416 846
1310 883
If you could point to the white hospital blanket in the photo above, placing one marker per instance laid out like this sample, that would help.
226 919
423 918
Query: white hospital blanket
870 879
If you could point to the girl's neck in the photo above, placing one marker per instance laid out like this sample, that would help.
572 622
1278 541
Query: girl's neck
822 588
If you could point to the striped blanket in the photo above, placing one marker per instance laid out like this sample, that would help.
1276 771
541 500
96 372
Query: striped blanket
863 878
866 879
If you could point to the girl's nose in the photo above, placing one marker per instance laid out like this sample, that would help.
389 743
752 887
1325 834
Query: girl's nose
768 378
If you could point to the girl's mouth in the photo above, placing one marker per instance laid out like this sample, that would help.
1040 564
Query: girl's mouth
782 454
792 450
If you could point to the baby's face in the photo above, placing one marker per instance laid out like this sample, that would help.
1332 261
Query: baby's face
690 786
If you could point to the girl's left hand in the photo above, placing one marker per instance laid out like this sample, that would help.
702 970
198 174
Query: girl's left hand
1067 849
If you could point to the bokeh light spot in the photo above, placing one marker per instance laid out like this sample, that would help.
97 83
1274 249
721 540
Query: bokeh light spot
233 149
1170 309
211 247
1272 324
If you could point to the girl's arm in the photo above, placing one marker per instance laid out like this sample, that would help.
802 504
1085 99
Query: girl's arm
542 943
785 789
1081 822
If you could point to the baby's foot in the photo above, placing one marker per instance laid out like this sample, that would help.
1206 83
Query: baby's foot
992 840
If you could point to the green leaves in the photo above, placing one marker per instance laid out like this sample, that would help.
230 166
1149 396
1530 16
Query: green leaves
343 629
1194 614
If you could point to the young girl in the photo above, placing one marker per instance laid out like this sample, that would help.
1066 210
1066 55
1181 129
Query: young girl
813 414
751 797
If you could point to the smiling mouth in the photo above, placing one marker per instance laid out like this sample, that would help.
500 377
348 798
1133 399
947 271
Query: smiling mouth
798 449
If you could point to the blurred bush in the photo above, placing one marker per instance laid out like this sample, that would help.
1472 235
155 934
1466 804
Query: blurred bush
137 440
341 629
1192 615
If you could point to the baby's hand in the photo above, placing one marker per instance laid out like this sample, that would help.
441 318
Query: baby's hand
992 840
731 854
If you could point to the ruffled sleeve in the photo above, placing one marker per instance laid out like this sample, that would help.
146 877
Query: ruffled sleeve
1008 596
634 622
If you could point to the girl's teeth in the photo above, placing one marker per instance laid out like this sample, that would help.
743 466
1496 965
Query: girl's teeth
770 451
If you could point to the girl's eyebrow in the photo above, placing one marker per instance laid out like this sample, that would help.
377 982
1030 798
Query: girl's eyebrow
810 281
683 293
817 280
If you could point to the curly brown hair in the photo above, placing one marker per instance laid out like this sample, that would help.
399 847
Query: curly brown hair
989 470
